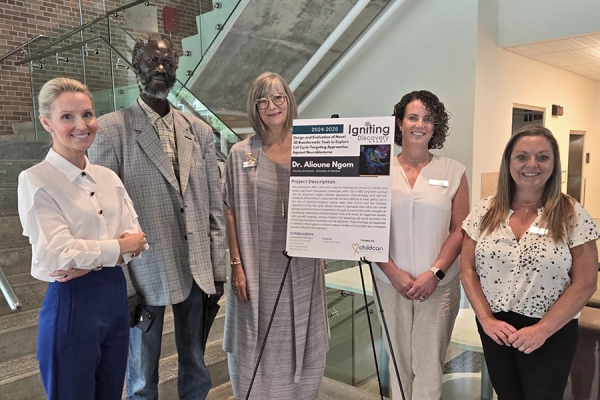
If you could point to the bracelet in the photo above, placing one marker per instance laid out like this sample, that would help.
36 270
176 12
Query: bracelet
235 261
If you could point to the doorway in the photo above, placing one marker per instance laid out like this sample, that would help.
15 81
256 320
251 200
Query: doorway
526 115
575 181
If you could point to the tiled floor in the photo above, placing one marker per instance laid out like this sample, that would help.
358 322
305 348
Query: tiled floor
457 361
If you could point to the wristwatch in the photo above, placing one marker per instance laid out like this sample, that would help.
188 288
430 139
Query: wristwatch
439 274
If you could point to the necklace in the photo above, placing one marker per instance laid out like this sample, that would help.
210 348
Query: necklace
285 190
526 208
419 166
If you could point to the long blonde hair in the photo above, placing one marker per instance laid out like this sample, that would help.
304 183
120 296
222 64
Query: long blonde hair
558 207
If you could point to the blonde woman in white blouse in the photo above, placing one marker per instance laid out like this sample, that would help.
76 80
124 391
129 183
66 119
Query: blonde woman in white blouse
81 224
528 266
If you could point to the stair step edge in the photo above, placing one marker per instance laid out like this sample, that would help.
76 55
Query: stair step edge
18 368
18 320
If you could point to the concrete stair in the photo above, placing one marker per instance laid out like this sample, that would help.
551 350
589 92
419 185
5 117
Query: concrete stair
8 198
10 227
18 330
214 358
18 150
19 373
9 171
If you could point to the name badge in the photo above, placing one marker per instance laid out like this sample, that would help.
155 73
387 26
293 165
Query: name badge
438 182
251 163
538 230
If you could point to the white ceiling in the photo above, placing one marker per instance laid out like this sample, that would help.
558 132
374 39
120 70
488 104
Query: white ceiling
580 54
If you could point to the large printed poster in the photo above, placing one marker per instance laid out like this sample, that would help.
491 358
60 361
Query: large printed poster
341 188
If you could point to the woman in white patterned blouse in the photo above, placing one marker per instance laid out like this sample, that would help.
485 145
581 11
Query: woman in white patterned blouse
528 267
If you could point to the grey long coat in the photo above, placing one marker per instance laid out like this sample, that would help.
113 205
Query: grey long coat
241 322
184 222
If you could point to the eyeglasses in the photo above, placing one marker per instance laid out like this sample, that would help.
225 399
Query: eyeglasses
278 99
154 62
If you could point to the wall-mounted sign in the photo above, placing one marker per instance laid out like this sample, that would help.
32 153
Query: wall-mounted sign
142 17
557 110
171 19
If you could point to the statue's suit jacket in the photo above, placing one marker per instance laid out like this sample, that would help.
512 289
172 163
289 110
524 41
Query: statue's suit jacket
183 221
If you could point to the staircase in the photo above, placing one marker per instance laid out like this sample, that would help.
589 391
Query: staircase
18 330
19 374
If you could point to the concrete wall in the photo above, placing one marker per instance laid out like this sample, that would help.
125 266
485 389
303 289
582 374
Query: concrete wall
526 21
423 45
505 79
276 36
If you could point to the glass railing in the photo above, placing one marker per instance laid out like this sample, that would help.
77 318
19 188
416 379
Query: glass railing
45 68
210 23
74 28
350 358
195 33
126 91
105 67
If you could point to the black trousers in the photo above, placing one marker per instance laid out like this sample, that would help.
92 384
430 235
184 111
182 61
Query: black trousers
541 375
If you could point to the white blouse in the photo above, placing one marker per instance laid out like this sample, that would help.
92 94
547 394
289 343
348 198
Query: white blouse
528 276
421 215
73 217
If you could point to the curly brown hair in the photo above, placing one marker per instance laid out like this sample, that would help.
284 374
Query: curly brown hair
435 108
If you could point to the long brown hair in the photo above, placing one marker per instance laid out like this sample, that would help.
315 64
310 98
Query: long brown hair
558 207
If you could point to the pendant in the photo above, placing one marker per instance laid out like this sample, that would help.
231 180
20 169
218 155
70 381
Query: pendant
282 210
526 214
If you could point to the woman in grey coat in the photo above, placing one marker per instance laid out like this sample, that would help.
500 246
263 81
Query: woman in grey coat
255 190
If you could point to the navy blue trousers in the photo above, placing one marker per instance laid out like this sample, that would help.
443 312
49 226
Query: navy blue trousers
83 337
541 375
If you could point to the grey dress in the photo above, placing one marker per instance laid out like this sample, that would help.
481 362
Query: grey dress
294 359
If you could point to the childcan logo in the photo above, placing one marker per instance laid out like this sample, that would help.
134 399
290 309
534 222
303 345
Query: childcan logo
365 248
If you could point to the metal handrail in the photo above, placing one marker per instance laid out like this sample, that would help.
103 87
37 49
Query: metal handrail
38 56
9 293
13 51
82 27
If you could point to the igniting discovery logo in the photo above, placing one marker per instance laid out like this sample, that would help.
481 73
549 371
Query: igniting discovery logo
365 248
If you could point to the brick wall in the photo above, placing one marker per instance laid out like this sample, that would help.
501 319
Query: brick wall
23 20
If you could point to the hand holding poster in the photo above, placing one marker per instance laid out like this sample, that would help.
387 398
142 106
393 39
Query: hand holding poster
340 188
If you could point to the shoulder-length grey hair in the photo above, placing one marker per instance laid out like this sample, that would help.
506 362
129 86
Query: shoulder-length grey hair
558 207
261 86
